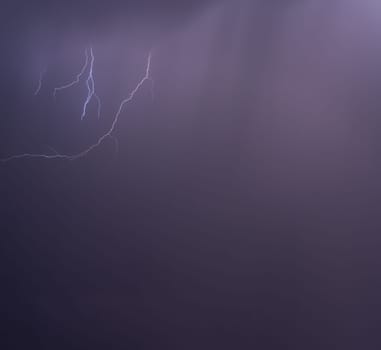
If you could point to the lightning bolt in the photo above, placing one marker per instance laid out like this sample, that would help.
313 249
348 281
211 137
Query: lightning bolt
119 111
91 88
77 79
108 133
90 83
39 86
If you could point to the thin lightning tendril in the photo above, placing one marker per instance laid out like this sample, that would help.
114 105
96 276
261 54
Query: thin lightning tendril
39 86
77 79
107 134
90 83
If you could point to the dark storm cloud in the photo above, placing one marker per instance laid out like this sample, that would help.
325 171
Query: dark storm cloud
98 11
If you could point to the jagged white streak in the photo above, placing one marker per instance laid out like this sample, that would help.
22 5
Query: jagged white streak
90 84
41 77
107 134
77 78
119 111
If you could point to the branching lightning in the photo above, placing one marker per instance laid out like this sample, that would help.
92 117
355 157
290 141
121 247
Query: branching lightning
90 83
119 111
77 79
108 133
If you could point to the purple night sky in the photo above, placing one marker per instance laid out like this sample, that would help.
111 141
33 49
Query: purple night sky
237 204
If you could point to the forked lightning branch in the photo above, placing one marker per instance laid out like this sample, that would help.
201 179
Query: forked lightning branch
86 74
